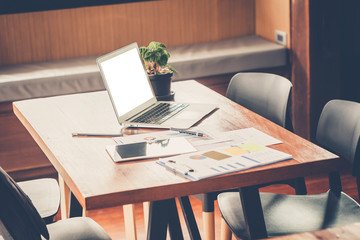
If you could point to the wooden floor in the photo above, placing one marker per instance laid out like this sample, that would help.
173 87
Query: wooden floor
112 219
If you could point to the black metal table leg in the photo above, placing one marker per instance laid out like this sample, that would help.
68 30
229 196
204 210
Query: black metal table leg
174 222
164 213
335 182
75 209
189 218
253 212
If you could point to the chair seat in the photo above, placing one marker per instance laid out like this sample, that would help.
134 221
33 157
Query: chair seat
288 214
79 228
45 195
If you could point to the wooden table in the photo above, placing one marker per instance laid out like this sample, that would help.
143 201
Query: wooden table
97 182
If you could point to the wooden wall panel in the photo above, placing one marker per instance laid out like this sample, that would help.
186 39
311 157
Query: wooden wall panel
235 18
271 15
300 68
40 36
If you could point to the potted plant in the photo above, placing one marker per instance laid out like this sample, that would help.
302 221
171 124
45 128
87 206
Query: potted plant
156 57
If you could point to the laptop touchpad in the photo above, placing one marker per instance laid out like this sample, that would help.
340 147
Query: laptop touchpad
187 115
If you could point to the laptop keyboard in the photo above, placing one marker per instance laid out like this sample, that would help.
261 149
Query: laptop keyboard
160 113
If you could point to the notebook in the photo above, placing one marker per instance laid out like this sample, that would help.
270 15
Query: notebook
132 96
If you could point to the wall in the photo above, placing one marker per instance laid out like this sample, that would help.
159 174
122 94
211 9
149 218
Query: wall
272 15
40 36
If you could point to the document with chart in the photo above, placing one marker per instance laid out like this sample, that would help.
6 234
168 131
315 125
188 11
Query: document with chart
227 159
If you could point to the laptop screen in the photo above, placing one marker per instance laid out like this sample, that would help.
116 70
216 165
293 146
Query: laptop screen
127 81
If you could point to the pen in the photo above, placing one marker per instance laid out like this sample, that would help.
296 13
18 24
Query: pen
187 132
178 167
96 135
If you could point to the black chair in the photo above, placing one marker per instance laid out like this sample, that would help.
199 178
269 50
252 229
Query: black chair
20 220
339 132
263 93
269 96
45 195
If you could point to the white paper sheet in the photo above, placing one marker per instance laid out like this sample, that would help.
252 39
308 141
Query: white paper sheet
251 135
230 158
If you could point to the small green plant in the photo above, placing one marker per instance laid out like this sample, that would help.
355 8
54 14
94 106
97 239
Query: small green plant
156 58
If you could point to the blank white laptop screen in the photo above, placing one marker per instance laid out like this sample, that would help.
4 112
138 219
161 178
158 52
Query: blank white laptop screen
125 75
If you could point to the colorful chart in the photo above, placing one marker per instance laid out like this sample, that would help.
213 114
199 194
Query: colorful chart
197 157
252 147
235 151
216 155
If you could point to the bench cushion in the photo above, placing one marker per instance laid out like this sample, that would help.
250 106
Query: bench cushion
68 76
227 56
52 78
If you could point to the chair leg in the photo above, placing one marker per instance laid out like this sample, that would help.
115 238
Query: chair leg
208 217
129 220
209 225
146 209
225 231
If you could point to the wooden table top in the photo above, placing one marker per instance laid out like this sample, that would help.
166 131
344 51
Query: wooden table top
98 182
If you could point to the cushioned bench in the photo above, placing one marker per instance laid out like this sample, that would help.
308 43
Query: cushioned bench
24 81
227 56
41 79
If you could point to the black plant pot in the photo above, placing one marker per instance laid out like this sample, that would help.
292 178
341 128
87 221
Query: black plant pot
161 84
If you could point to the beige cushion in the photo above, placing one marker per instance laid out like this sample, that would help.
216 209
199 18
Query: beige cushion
23 81
227 56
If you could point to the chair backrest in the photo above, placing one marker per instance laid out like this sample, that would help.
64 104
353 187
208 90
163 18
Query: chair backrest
18 216
339 129
263 93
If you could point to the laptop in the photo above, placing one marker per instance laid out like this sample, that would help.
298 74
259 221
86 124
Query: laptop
133 99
